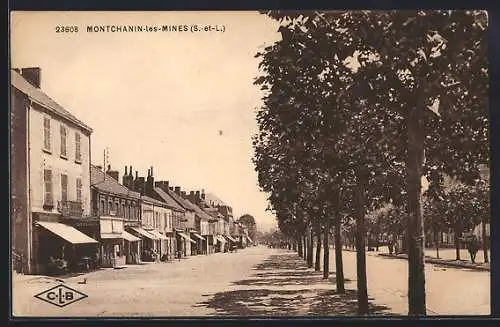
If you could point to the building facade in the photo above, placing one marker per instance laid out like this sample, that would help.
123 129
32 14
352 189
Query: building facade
117 208
50 173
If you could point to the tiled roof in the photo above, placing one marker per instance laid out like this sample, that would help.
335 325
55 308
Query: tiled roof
198 211
105 183
38 96
209 197
168 199
182 202
146 198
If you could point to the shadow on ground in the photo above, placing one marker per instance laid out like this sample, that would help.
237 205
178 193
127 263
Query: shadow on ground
290 289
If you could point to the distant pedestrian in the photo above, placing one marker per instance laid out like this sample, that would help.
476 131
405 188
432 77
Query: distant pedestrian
473 247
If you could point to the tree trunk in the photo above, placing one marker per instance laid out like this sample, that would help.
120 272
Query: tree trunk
326 250
310 248
317 263
360 247
415 228
485 241
437 243
339 265
304 238
457 241
299 247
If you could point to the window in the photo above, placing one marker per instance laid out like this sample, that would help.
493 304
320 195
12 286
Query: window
47 180
63 141
110 207
78 152
103 207
78 190
124 212
64 187
46 133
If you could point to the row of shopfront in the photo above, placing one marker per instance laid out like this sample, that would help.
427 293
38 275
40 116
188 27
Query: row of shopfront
109 242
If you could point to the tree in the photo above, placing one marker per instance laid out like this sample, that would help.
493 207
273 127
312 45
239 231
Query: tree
249 222
420 74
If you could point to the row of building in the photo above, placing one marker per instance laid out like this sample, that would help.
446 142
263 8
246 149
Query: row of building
65 208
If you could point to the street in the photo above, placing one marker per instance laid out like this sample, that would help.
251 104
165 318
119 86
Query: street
253 281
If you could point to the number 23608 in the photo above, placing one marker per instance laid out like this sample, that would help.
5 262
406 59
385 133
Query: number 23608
66 29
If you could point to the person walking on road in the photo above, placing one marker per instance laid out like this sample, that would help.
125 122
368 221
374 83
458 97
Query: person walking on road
473 247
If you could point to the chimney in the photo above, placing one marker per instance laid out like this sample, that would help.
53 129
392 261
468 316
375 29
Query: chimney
197 198
152 171
170 188
136 175
31 74
203 195
178 190
114 174
183 194
162 184
149 186
139 185
128 179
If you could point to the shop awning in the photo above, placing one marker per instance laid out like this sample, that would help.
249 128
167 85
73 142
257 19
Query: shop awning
199 236
249 239
129 237
221 238
230 238
158 235
184 236
68 233
144 233
110 236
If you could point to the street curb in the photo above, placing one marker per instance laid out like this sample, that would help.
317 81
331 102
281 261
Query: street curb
439 262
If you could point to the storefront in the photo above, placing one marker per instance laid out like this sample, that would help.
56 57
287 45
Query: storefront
186 242
112 242
200 247
160 244
232 243
148 244
221 243
132 248
62 248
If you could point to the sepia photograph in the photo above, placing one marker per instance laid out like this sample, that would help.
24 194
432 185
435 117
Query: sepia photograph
249 163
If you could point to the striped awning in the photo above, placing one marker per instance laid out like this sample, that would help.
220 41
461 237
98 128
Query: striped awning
144 233
129 237
231 239
68 233
184 236
199 236
158 234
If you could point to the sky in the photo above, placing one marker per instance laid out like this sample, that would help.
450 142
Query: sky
181 102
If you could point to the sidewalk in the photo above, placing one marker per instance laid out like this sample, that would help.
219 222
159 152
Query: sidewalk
446 258
444 262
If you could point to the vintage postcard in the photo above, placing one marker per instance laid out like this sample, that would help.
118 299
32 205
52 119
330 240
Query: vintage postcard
244 163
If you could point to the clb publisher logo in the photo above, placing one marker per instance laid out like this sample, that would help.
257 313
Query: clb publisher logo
61 296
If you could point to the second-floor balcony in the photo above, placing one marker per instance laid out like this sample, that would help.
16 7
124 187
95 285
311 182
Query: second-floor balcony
70 209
